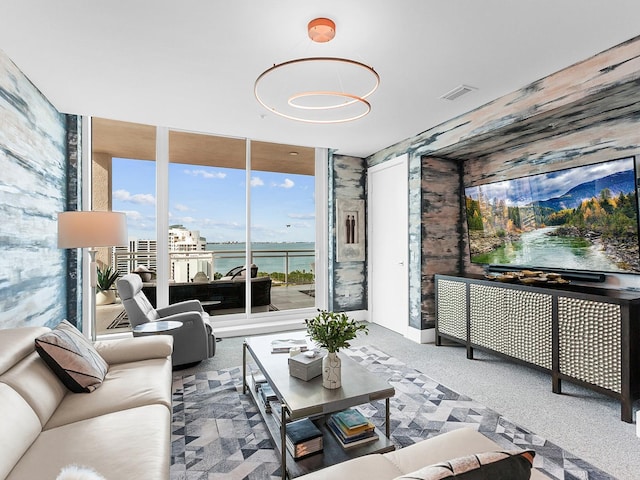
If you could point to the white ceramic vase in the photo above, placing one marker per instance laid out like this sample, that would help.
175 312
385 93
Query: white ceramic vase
331 371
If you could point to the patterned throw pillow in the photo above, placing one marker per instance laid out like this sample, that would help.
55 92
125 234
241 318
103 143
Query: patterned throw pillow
72 358
506 465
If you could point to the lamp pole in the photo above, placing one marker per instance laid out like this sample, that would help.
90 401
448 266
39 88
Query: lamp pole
93 282
89 230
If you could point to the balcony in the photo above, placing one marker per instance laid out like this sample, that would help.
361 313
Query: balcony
289 289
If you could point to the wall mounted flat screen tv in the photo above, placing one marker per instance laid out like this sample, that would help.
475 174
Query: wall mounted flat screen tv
583 218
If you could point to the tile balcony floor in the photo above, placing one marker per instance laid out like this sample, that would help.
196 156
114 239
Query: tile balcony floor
283 297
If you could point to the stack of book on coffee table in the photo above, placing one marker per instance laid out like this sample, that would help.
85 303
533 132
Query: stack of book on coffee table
303 438
284 345
351 428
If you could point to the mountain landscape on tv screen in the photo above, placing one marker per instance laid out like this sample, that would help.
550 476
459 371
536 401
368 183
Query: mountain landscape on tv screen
549 221
620 182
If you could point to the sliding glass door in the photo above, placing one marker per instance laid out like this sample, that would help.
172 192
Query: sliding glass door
283 228
207 227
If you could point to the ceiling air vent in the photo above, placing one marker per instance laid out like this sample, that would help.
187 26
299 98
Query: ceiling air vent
458 92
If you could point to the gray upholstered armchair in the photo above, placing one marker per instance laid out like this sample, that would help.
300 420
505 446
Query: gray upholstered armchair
192 342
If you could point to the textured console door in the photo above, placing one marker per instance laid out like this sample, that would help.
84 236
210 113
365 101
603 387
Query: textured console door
512 322
590 336
452 308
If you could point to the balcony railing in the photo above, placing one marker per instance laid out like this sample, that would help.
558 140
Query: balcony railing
290 292
184 265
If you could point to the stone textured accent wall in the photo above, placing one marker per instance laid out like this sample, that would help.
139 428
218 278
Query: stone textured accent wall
348 290
441 222
73 197
33 185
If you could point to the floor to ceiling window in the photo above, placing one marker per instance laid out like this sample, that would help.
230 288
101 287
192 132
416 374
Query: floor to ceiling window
207 212
123 179
223 194
283 227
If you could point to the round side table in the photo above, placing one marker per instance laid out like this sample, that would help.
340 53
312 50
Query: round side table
153 328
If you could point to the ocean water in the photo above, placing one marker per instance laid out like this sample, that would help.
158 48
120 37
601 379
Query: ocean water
269 257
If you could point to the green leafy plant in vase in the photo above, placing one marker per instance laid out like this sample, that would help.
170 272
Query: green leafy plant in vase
333 331
106 277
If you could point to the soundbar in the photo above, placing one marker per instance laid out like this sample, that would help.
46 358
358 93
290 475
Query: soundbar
566 274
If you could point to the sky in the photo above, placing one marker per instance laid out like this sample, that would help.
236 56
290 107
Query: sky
548 185
212 200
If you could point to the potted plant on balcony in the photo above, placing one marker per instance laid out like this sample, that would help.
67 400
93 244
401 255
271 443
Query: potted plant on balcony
333 331
105 294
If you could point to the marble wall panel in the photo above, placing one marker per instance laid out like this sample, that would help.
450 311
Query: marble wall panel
417 318
441 215
569 87
599 142
348 290
32 191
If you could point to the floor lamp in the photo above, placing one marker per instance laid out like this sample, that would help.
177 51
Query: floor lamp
92 229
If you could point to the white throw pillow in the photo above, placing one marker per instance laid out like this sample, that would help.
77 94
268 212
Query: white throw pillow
72 357
75 472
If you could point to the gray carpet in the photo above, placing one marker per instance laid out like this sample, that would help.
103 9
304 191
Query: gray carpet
218 433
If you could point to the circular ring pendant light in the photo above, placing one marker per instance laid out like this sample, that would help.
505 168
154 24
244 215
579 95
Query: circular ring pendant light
318 89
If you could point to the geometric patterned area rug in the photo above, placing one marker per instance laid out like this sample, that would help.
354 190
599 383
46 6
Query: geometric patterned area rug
217 431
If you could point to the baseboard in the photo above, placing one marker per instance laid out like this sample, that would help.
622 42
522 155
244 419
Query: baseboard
359 315
421 336
259 328
287 321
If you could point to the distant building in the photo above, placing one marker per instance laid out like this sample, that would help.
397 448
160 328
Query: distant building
184 253
183 240
139 253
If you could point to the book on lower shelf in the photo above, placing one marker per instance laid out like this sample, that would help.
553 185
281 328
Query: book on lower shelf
267 395
362 431
303 438
258 379
351 418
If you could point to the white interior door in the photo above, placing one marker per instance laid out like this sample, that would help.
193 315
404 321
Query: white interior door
388 215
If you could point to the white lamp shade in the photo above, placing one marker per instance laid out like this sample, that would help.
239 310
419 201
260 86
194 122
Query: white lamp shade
92 229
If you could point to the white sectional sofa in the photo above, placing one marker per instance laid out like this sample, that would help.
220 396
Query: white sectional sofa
121 429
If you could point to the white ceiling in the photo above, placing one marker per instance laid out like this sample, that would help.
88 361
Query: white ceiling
191 64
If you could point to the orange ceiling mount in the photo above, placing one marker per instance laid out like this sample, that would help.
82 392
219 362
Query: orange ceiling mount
321 30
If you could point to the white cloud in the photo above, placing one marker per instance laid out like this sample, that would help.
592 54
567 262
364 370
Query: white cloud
133 215
287 183
139 198
205 174
301 215
256 182
181 208
302 225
